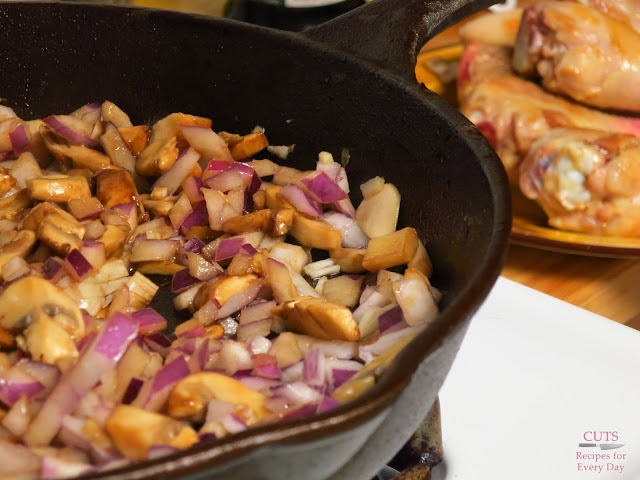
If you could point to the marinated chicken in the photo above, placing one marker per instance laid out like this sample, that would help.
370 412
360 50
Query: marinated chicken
586 180
580 52
513 112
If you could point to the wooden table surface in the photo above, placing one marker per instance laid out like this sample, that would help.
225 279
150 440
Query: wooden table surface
606 286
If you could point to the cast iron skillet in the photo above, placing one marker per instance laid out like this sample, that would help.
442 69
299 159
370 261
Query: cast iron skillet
346 84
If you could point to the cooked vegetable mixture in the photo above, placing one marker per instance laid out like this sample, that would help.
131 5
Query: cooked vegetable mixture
91 206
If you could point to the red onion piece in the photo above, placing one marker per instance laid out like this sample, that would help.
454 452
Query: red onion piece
228 247
191 188
70 133
233 424
55 467
193 245
352 234
298 393
389 318
132 391
19 140
266 366
117 149
255 312
345 207
323 189
149 321
99 358
15 384
77 265
214 167
327 403
173 178
158 342
89 113
94 253
225 181
300 200
16 460
373 299
182 280
161 384
48 375
240 300
144 249
199 216
339 376
52 268
259 328
179 212
313 372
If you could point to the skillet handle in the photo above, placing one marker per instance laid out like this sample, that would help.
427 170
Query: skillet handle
390 33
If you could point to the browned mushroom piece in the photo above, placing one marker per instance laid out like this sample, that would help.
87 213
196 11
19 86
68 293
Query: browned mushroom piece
116 187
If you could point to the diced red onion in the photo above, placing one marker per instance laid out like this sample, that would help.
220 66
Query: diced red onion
94 253
149 321
179 171
372 350
19 140
68 133
191 329
373 299
145 249
237 199
389 319
52 269
228 247
240 300
182 280
323 189
339 376
327 403
259 328
113 143
17 419
100 357
89 113
158 342
257 311
300 200
179 212
234 357
313 372
44 373
298 393
201 268
77 265
162 383
193 245
132 391
214 167
191 188
16 459
198 217
352 234
293 373
225 181
258 344
57 468
233 424
345 207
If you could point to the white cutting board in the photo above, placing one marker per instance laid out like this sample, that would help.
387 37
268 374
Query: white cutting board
535 378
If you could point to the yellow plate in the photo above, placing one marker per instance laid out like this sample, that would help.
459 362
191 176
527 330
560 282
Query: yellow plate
530 228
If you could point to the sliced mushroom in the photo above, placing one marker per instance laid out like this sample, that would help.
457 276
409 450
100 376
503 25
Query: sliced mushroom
116 187
21 245
80 156
50 319
191 395
11 206
320 319
135 137
56 236
37 213
7 182
134 431
58 188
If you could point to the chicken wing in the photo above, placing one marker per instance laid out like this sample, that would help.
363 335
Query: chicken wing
513 112
586 180
627 11
580 52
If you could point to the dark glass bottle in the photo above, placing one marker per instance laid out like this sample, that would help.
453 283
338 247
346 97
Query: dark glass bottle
293 15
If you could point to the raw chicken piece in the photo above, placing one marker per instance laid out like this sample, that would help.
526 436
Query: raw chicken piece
580 52
586 180
627 11
513 112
